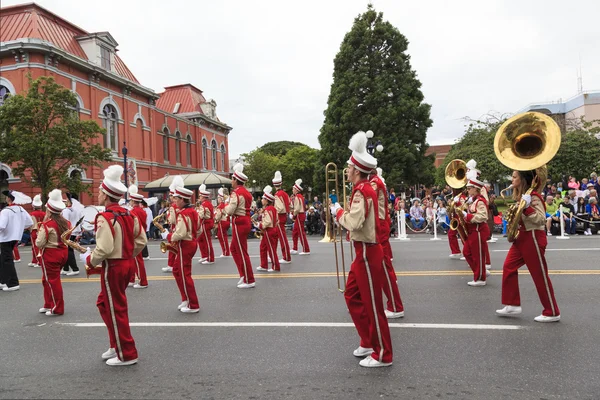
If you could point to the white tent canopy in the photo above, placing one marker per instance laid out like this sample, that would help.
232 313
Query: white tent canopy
191 181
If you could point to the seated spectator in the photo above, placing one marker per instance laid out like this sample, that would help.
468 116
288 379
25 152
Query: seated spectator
392 199
551 209
592 210
573 184
593 179
429 215
584 184
312 221
416 215
442 216
568 216
581 213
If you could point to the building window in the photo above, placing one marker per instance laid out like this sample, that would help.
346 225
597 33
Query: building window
111 137
188 150
214 148
204 153
4 93
3 185
105 58
166 144
223 157
178 148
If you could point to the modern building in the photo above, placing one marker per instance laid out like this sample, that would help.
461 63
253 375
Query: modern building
169 133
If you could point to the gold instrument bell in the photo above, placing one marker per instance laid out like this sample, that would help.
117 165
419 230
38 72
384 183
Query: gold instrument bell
456 174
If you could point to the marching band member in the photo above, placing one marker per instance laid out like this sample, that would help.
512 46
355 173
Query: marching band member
282 205
239 210
72 213
365 280
183 238
119 238
478 230
37 216
299 216
472 166
460 197
139 267
395 308
528 248
222 221
54 253
268 226
207 223
172 218
13 220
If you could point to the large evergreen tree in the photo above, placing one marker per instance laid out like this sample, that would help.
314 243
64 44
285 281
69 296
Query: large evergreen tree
374 87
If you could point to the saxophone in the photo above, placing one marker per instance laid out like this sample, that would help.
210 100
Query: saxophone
164 246
65 237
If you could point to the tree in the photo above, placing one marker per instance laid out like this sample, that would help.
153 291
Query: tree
374 88
43 136
578 153
280 148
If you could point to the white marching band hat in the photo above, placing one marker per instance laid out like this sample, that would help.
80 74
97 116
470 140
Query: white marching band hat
221 193
112 185
202 190
238 172
17 197
268 193
298 184
55 202
133 193
277 179
177 182
473 179
182 192
37 200
360 159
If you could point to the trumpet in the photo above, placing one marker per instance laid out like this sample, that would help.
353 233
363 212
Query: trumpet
97 270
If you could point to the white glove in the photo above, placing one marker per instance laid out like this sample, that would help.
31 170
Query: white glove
456 199
336 207
470 201
165 234
83 257
527 199
332 209
465 214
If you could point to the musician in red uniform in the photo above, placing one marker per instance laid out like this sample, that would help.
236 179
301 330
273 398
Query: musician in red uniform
299 216
365 280
460 197
239 210
282 205
53 252
139 267
222 222
478 230
119 238
528 248
472 166
37 215
395 308
207 223
268 227
172 218
183 239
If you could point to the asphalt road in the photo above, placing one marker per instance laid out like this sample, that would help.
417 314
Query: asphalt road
278 354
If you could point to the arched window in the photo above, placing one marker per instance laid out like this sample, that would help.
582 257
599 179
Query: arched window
223 157
178 147
214 148
75 176
111 138
4 93
204 153
188 150
3 185
166 144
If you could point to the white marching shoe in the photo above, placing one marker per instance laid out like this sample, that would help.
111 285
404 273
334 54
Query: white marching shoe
260 268
10 289
31 264
182 305
108 354
294 252
488 266
370 362
394 314
509 310
476 283
487 273
544 318
462 258
456 256
73 273
189 310
304 253
167 269
131 284
241 281
115 362
270 270
246 285
201 260
44 310
362 351
282 261
138 286
206 262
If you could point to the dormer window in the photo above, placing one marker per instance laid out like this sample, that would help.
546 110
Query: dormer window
105 58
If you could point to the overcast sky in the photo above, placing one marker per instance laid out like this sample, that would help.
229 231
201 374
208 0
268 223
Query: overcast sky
268 64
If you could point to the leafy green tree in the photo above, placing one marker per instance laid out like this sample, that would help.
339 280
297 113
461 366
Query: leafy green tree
578 153
280 148
375 88
261 167
42 136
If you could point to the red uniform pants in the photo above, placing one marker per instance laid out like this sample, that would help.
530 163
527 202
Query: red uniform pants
268 246
16 255
285 245
112 304
222 229
138 268
299 233
475 249
529 248
205 243
51 263
182 271
239 247
453 241
365 301
34 250
171 259
390 281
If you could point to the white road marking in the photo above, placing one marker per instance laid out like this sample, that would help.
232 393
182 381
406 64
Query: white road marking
293 324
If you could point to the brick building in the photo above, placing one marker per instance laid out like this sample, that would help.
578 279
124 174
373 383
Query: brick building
174 132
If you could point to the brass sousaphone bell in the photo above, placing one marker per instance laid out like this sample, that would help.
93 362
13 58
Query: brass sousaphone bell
456 174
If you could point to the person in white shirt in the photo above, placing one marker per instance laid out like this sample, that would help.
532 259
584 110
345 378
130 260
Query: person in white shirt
72 213
13 220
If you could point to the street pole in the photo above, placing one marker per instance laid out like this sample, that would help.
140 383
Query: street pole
124 150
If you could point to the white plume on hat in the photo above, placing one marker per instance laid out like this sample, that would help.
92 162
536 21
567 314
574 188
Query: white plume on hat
358 142
268 193
472 164
20 198
379 172
203 190
55 203
298 184
133 189
238 172
134 193
112 185
177 182
37 200
113 172
221 192
277 179
361 160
